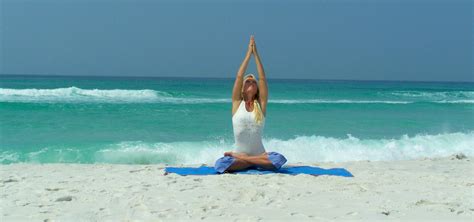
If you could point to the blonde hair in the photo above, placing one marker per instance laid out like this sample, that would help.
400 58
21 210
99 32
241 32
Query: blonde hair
257 110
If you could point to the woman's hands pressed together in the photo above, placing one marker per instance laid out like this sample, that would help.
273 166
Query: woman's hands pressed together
254 46
251 45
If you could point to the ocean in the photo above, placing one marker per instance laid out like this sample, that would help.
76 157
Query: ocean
148 120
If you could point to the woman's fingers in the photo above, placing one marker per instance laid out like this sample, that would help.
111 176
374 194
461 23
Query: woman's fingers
252 44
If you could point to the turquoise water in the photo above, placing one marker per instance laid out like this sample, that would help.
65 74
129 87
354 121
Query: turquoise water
140 120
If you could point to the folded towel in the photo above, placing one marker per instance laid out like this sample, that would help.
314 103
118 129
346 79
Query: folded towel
292 170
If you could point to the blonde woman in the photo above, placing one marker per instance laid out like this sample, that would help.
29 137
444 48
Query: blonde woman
249 106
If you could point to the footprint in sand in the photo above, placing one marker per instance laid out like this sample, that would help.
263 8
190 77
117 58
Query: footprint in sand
65 198
52 189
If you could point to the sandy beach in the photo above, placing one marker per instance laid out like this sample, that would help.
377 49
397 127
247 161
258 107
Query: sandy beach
439 189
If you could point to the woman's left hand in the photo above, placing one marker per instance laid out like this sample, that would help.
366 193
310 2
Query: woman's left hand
254 48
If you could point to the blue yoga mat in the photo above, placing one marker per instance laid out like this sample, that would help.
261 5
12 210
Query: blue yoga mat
292 170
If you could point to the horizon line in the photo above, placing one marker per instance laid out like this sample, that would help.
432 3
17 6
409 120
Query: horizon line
192 77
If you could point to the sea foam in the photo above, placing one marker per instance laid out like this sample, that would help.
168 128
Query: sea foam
75 95
301 149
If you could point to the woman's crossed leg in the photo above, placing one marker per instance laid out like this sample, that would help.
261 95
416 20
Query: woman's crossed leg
244 161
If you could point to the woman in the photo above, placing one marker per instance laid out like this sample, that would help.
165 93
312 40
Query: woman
249 105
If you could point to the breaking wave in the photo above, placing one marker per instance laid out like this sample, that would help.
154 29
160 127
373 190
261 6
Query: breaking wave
75 94
301 149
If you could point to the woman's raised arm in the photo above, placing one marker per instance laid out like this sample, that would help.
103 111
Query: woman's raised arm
262 81
236 97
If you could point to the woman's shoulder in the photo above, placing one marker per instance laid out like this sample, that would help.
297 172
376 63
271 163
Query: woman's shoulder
235 106
262 107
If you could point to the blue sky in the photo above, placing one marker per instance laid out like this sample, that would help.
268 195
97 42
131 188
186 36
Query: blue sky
421 40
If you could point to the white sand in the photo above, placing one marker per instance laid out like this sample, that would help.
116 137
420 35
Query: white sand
415 190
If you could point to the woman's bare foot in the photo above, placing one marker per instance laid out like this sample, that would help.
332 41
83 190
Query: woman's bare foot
239 155
236 155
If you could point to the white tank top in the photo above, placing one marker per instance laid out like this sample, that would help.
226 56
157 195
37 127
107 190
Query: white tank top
247 133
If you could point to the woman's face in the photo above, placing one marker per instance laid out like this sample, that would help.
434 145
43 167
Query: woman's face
250 86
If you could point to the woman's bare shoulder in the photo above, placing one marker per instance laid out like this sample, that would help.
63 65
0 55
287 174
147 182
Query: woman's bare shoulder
263 106
235 105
